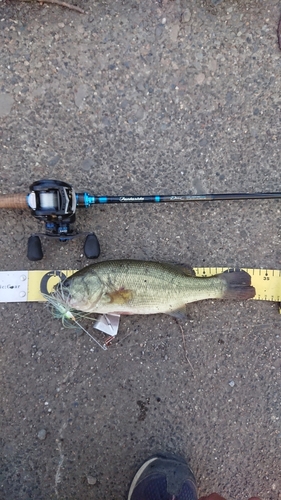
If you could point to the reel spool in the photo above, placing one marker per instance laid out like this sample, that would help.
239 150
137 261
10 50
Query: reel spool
54 202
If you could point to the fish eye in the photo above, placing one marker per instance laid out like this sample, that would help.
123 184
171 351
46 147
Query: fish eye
66 283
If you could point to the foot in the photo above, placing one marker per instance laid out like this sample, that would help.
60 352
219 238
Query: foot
163 477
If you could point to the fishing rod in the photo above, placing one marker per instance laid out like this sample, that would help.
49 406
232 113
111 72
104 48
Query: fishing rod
55 202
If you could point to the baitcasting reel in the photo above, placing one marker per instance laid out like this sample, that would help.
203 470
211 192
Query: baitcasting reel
55 202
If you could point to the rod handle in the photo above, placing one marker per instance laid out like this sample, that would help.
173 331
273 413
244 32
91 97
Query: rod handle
17 200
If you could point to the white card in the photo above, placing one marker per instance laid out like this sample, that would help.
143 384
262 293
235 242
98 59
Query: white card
108 323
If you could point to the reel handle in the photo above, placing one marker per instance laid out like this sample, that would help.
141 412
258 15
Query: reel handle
17 200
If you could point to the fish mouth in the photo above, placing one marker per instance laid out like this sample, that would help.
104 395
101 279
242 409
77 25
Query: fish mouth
62 293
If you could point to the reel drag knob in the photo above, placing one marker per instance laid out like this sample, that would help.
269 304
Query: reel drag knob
34 248
91 246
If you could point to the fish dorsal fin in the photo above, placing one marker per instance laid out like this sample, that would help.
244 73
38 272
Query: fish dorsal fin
184 269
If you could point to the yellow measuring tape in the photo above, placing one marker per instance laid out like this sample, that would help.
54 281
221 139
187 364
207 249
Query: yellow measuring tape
267 282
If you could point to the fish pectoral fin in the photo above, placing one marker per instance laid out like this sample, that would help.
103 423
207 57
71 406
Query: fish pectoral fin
179 313
121 296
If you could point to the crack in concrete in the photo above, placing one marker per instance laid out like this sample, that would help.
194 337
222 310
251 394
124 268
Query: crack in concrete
61 458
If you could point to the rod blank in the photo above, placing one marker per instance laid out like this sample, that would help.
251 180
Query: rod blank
85 199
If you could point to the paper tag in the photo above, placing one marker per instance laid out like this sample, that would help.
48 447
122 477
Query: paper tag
108 323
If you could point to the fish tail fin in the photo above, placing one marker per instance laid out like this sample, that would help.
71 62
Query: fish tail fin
238 285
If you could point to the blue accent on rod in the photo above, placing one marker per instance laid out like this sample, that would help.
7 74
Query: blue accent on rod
91 200
157 199
102 199
86 200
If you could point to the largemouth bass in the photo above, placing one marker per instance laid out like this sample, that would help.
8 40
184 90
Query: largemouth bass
139 287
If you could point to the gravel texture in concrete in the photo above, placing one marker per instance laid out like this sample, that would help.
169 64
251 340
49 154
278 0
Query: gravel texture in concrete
143 97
